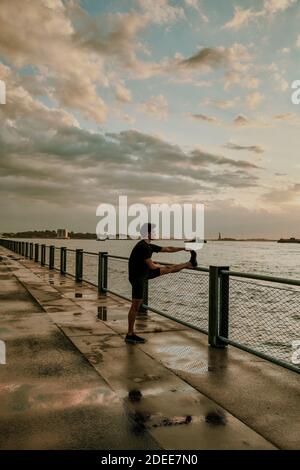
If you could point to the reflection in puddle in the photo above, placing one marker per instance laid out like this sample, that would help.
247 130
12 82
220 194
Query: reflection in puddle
102 313
217 417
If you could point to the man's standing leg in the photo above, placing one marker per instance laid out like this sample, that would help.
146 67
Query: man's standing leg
137 299
135 305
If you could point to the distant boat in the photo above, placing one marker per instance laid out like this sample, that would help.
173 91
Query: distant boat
194 241
102 238
289 240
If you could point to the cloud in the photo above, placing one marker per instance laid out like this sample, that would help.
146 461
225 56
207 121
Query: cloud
204 117
207 158
250 148
156 106
161 11
241 121
298 41
128 118
123 94
236 61
253 100
285 50
242 17
291 118
280 82
207 57
24 41
275 6
195 4
47 158
244 121
283 195
220 104
76 54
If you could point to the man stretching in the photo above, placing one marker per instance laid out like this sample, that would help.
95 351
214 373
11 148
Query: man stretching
141 268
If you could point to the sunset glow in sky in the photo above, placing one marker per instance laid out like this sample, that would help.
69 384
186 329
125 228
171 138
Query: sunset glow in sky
160 100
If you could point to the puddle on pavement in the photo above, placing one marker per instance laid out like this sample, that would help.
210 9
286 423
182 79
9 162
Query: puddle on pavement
159 420
216 418
184 358
135 395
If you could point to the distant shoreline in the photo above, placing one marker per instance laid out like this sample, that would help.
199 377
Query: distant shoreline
89 237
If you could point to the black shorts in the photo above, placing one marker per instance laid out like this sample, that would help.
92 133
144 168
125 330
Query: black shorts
139 283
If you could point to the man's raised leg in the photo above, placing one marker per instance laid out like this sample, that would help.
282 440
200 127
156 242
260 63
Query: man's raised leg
175 268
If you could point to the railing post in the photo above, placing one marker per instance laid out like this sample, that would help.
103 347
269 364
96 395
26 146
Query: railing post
23 248
51 256
214 307
143 308
26 249
31 251
99 272
78 265
43 255
63 260
224 304
36 252
102 272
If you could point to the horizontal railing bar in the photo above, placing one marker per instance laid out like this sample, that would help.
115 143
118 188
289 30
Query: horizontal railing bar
106 255
278 362
262 277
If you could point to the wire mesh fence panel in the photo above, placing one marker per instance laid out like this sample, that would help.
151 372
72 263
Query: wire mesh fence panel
264 317
117 277
182 295
57 258
90 268
71 261
47 253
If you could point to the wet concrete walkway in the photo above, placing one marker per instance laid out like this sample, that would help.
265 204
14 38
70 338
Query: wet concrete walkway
71 382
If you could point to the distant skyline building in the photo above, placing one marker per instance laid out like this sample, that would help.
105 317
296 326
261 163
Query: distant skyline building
62 233
220 236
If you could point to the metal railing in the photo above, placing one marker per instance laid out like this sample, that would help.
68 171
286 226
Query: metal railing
256 313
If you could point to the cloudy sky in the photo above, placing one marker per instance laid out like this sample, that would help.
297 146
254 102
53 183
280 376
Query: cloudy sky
160 100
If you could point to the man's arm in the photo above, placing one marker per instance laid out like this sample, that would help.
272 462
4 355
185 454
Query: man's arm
171 249
151 264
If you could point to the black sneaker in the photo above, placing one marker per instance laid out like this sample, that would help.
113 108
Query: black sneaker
193 259
134 339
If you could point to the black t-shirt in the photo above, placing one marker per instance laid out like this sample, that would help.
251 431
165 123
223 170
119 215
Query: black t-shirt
142 251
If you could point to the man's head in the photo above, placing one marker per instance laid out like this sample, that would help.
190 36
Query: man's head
148 231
